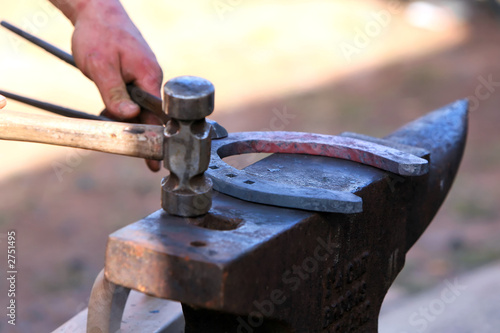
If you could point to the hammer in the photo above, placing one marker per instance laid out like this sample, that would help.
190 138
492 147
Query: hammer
183 144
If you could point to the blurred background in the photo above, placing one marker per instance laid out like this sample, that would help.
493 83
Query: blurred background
327 65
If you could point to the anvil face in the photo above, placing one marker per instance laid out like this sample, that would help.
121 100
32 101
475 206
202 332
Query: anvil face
248 267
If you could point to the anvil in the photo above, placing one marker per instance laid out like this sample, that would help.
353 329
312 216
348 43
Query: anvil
248 267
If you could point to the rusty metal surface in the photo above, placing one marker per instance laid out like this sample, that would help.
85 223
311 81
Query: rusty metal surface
268 269
250 186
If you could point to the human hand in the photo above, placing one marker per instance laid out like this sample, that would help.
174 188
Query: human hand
111 51
3 102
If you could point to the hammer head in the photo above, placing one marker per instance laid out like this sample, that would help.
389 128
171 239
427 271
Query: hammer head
187 191
189 98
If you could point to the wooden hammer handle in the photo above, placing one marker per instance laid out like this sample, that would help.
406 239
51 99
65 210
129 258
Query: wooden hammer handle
145 141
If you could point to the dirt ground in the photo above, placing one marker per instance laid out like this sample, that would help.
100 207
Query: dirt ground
63 209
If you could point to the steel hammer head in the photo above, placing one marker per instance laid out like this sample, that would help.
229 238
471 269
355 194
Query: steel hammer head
187 191
189 98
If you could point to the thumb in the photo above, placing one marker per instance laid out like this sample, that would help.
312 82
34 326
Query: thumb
118 102
108 79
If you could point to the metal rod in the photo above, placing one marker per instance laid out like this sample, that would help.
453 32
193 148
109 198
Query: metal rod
64 56
53 108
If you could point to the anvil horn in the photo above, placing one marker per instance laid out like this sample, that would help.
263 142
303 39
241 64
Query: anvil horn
443 133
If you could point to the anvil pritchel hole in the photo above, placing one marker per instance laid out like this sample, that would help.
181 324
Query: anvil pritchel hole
231 175
213 167
198 244
249 182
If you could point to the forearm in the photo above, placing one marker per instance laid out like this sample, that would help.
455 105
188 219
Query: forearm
76 9
109 49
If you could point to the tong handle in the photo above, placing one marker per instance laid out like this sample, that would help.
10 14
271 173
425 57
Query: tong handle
136 140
